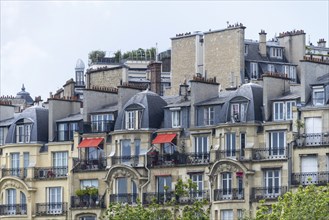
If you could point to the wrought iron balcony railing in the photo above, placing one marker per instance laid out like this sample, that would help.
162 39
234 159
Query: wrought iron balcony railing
235 154
18 172
129 160
129 198
307 178
81 165
269 154
87 201
102 126
228 194
13 209
177 158
161 198
50 172
58 208
315 139
273 193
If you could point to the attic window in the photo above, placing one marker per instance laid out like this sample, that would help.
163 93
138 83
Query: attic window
23 133
276 52
238 112
133 119
318 96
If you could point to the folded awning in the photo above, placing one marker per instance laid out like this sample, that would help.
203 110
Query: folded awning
163 138
90 142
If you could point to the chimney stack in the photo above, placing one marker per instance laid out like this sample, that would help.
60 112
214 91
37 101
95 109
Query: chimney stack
322 43
155 76
262 43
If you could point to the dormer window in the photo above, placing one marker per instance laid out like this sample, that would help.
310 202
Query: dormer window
65 130
290 72
238 112
209 115
23 133
176 118
254 70
283 110
2 135
133 119
318 96
270 68
276 52
102 122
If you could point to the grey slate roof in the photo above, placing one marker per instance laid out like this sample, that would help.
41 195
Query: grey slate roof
106 109
24 95
152 114
289 96
39 118
75 117
322 80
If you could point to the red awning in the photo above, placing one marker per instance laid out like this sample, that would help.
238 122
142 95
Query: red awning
163 138
90 142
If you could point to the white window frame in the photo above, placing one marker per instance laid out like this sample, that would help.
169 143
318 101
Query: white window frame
254 70
282 110
23 133
125 151
99 121
317 101
271 68
88 183
292 74
2 135
176 118
15 164
201 152
54 200
11 201
277 144
60 161
226 214
227 184
133 119
276 52
239 111
209 115
288 111
272 182
197 178
230 144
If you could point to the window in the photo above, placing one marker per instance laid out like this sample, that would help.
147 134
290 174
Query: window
137 151
23 203
125 151
318 96
164 188
15 164
283 110
88 217
292 74
276 52
133 119
238 112
272 182
201 147
60 163
2 135
124 194
11 201
176 118
227 184
230 144
102 122
79 78
54 199
26 158
246 46
270 68
198 180
226 214
277 143
254 70
66 130
23 133
89 183
242 144
208 115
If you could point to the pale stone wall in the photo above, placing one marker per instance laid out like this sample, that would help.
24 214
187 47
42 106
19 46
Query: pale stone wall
224 56
183 60
107 78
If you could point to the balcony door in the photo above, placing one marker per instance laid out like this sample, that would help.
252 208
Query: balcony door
272 183
60 164
14 164
313 130
164 188
309 165
227 185
11 201
54 200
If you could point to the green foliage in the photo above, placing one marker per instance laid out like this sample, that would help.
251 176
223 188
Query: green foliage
91 191
310 202
140 54
196 210
95 55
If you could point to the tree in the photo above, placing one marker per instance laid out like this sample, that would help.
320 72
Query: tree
95 56
196 210
310 202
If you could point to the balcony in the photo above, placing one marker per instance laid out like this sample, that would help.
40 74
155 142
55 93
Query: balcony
129 160
231 154
80 165
87 201
268 193
102 126
161 198
313 139
50 172
154 159
17 172
129 198
269 154
46 209
13 209
228 194
307 178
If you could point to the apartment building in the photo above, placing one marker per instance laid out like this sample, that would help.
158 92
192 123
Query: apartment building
251 141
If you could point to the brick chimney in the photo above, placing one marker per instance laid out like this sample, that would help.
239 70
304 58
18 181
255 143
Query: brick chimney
155 76
262 43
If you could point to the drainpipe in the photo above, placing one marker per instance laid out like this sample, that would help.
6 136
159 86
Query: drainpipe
148 174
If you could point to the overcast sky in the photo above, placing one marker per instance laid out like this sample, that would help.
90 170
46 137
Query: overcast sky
42 40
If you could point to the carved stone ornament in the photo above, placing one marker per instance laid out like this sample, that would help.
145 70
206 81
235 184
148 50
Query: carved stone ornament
226 168
12 184
122 173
